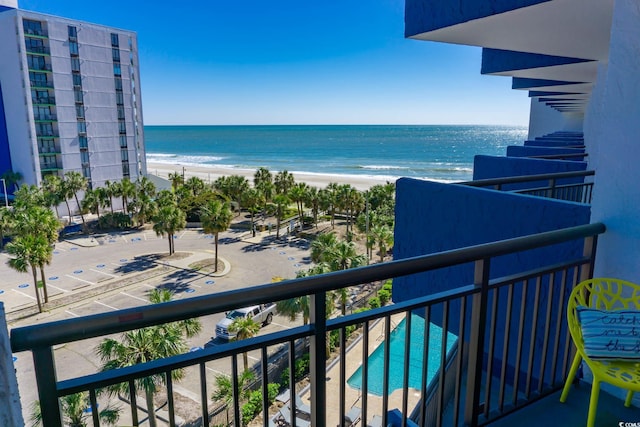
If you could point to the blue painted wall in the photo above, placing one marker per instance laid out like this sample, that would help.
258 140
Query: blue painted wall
5 156
498 60
527 151
553 143
433 217
485 167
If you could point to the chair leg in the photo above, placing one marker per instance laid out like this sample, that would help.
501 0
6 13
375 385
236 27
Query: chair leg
572 373
627 401
593 402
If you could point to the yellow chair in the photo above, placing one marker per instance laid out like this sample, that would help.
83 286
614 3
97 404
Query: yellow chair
610 295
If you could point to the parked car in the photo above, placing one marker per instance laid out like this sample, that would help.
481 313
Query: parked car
261 314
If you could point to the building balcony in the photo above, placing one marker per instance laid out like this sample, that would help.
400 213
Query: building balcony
477 363
33 33
45 117
38 50
43 100
42 133
37 84
40 68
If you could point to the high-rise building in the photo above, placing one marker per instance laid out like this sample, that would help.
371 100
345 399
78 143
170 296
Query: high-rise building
69 98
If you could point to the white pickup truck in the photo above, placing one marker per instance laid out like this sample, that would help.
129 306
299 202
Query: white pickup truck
261 314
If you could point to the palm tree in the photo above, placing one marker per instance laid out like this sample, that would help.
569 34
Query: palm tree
143 202
52 188
11 178
111 189
127 192
279 208
298 194
344 256
167 220
176 179
144 345
383 237
233 187
252 200
216 217
195 185
27 196
244 327
261 177
293 306
75 182
73 407
6 223
322 245
284 182
29 251
224 387
329 200
91 202
312 201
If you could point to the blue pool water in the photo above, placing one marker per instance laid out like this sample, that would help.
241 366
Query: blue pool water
396 357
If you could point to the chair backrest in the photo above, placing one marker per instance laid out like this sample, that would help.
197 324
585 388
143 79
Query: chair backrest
603 294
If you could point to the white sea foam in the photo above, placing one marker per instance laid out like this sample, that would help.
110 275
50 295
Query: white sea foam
384 167
183 160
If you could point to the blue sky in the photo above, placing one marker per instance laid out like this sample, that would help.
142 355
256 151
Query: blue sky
293 62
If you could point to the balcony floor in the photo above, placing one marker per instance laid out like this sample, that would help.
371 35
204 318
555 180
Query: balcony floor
550 412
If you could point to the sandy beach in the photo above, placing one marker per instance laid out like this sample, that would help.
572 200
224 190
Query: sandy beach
210 174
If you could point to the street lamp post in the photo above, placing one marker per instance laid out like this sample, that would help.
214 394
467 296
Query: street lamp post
6 197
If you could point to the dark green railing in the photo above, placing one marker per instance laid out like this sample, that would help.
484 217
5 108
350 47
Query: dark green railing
459 387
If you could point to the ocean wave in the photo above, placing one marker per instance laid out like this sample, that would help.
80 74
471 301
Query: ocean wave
182 159
383 167
453 169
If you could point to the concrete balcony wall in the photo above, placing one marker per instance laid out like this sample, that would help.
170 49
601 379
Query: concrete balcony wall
433 217
485 167
528 151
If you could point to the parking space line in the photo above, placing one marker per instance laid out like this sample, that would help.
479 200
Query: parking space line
183 233
252 358
133 296
102 272
218 372
71 314
108 306
148 286
77 278
22 293
55 287
278 324
125 240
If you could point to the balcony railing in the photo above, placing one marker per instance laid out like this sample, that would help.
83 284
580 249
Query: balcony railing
477 385
41 83
552 185
40 67
45 117
43 50
44 100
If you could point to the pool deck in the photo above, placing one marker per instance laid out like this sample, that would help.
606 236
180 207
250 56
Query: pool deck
353 396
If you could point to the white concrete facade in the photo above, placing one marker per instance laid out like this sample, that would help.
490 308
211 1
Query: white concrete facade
110 154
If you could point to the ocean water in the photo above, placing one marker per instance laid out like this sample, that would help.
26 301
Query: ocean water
437 152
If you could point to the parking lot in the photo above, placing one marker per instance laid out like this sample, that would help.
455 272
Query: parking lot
89 265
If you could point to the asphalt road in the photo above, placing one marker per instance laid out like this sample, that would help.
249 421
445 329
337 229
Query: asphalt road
76 268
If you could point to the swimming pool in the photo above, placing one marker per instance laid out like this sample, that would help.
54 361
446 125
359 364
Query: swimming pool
396 356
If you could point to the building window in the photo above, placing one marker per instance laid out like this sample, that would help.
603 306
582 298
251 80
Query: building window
86 171
123 141
44 129
38 79
36 62
73 48
83 142
32 27
124 154
77 94
115 53
77 79
125 169
117 71
73 32
119 97
120 112
84 157
79 111
114 40
122 127
118 80
75 64
82 128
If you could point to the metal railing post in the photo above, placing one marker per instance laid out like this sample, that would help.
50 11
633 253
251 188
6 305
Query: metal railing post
589 251
45 371
318 359
476 342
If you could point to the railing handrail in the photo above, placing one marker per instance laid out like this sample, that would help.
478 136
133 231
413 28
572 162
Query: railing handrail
527 178
63 331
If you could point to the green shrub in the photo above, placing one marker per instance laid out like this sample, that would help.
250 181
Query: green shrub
374 302
384 296
388 285
117 220
301 369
